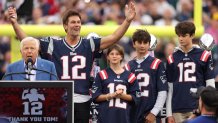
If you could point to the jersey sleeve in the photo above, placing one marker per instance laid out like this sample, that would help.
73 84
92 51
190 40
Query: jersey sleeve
169 72
134 90
96 87
45 43
161 78
95 47
209 69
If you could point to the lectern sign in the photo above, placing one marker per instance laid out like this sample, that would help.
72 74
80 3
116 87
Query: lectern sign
36 102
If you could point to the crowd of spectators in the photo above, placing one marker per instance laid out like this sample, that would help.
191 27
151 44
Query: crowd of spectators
109 12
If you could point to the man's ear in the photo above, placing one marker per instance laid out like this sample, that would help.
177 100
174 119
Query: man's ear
65 27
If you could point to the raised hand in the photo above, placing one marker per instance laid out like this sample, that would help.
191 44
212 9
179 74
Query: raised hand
12 14
130 11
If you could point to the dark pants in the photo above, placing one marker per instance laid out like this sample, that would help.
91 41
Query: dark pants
82 112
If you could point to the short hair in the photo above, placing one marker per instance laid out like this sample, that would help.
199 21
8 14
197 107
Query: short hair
185 27
29 39
141 35
68 14
209 97
118 48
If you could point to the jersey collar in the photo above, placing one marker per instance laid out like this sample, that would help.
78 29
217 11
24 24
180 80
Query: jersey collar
180 49
143 58
70 47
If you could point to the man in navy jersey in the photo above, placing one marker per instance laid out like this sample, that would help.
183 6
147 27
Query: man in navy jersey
188 68
151 77
73 55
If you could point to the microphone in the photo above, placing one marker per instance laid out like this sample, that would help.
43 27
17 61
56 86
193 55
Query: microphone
29 64
33 68
9 74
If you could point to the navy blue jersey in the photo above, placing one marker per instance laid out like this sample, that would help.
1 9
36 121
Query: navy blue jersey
152 79
188 71
115 110
72 63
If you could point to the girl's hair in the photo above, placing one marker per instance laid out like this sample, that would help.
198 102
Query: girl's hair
118 48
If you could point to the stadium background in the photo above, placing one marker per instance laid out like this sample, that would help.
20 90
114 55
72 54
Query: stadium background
41 18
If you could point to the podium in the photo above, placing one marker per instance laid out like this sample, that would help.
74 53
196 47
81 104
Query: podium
36 102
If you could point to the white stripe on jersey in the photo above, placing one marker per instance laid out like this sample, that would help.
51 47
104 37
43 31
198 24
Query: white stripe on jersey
50 46
131 78
155 65
205 55
92 44
103 75
127 67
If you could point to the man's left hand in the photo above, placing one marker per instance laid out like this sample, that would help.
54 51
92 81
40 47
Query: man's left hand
130 11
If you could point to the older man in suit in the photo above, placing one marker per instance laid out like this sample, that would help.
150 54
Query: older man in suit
30 67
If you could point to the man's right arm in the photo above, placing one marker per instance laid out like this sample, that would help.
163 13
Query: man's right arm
169 70
12 15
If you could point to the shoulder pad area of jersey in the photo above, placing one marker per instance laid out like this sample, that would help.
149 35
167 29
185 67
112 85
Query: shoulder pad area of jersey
170 59
204 56
103 74
131 78
155 64
127 67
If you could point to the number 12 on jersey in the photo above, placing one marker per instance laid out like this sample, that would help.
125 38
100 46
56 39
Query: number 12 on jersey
116 102
75 69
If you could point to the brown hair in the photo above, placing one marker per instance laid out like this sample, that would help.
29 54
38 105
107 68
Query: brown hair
185 27
141 35
118 48
68 14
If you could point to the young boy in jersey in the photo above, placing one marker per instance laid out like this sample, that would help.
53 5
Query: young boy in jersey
187 69
151 77
115 89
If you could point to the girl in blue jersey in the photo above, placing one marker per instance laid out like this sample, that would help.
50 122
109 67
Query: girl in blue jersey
115 89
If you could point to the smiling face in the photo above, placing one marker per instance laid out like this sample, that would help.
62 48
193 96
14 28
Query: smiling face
73 26
29 49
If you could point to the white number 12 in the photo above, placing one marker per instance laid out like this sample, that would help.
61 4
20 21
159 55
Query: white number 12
75 68
187 69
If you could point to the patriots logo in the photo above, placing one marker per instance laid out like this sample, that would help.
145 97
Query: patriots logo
211 65
138 94
163 78
94 89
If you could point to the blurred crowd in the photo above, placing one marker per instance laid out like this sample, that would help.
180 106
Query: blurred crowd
109 12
